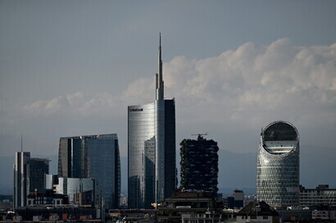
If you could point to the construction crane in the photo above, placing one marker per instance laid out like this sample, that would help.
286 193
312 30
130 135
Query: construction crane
199 134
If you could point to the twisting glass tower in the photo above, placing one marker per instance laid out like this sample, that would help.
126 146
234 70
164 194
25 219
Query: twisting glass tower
278 165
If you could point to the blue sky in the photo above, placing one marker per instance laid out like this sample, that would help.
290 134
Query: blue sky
72 67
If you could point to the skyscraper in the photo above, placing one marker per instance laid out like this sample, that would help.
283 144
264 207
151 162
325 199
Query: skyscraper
93 156
151 147
21 178
278 165
38 168
199 164
71 157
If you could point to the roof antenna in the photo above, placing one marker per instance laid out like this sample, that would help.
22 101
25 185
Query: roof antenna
21 144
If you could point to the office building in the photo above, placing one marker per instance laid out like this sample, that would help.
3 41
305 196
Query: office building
21 179
93 156
199 165
236 201
151 148
322 195
70 157
38 168
278 165
80 191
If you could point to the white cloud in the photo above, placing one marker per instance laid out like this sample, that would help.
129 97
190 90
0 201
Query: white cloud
77 104
275 80
245 87
269 81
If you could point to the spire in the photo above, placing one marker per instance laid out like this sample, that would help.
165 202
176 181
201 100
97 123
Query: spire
21 144
159 78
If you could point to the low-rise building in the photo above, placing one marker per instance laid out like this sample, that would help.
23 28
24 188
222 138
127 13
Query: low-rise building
191 207
81 191
324 213
258 212
321 195
48 198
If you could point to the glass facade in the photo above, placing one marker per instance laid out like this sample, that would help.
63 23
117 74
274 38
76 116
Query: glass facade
79 190
103 164
278 165
70 157
141 150
151 148
170 148
21 178
93 156
38 168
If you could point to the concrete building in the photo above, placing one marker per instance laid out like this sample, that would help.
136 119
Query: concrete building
151 148
321 195
325 214
199 165
93 156
47 198
278 165
190 207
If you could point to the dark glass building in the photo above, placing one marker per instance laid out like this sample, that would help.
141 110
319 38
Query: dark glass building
71 157
93 156
38 168
199 165
151 148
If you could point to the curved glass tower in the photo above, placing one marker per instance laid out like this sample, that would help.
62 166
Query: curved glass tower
151 148
278 165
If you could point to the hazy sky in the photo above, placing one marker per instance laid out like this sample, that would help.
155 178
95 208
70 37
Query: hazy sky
72 67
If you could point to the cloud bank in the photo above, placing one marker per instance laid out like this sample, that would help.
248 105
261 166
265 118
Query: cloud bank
241 89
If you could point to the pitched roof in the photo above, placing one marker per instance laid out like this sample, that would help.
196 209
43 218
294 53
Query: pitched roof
258 208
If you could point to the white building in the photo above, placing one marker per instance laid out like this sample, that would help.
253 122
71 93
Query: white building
321 195
278 165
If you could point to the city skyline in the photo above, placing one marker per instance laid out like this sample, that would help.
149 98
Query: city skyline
72 68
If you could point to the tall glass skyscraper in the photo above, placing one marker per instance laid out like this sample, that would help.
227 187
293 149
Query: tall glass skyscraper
151 148
93 156
278 165
29 176
21 178
38 168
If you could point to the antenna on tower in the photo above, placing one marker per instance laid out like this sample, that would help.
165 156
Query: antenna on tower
21 144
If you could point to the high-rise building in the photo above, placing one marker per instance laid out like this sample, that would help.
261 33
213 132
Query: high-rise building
199 165
278 165
70 157
21 179
38 168
151 148
93 156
